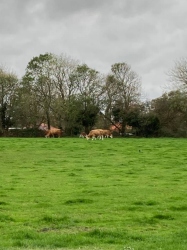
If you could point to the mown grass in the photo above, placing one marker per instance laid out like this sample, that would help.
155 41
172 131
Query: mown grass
70 193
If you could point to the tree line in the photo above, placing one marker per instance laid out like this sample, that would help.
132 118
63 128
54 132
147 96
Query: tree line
61 92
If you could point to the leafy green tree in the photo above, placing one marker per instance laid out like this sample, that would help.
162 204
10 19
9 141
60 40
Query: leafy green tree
144 123
171 109
27 112
72 108
88 83
109 98
87 117
50 79
8 85
149 125
38 76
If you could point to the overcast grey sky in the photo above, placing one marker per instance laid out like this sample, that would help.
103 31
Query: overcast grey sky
148 35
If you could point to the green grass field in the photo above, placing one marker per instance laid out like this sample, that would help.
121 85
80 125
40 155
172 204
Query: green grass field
70 193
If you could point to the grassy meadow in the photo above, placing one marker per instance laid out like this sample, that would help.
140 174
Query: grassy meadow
115 194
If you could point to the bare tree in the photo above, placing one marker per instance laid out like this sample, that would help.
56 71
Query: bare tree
61 72
122 90
178 75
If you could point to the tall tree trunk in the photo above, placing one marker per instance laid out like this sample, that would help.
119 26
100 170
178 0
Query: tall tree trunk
3 116
48 120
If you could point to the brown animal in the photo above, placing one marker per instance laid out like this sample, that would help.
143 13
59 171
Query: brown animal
95 133
53 132
117 127
82 135
107 133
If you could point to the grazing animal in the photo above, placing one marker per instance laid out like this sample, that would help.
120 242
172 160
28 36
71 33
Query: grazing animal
107 133
117 127
53 132
95 133
82 135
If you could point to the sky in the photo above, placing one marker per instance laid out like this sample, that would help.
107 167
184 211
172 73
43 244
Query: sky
148 35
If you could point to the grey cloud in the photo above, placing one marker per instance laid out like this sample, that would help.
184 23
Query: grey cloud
17 15
148 35
60 9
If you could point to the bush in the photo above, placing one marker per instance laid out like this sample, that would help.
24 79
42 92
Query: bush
31 132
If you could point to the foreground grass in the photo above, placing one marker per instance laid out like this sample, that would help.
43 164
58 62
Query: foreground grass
70 193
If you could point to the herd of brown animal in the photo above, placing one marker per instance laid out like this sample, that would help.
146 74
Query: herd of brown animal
93 134
97 133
